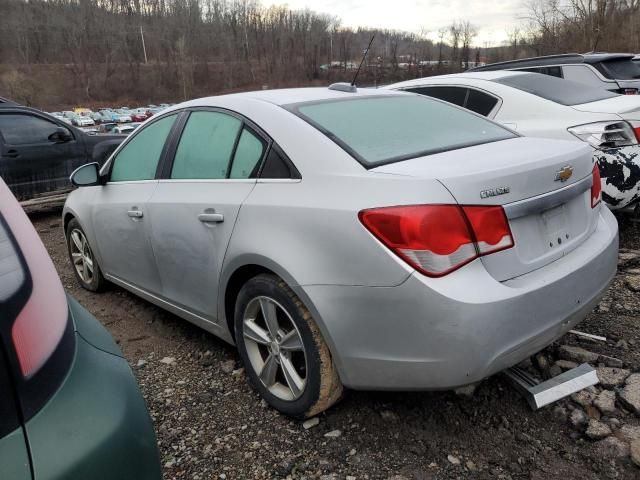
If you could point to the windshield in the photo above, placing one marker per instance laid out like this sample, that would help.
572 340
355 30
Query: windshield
386 129
558 90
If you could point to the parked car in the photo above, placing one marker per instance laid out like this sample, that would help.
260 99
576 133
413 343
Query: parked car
71 408
123 116
38 151
544 106
369 239
107 127
125 129
82 121
140 114
616 72
108 116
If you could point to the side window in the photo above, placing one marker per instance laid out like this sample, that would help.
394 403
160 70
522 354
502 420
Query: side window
275 166
581 74
139 158
480 102
554 71
25 129
248 154
455 95
206 146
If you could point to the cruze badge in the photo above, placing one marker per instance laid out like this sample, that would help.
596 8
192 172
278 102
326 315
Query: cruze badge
494 192
564 174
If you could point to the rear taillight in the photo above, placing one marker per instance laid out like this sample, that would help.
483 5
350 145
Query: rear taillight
438 239
606 134
37 330
596 187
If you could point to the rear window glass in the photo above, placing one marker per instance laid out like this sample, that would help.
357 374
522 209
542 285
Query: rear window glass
381 129
564 92
622 69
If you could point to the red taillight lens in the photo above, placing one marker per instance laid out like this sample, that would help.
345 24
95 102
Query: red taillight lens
438 239
596 187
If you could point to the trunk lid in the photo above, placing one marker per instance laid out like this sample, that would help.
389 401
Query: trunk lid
621 105
548 216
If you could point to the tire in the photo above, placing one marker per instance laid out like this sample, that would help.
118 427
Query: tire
322 387
76 238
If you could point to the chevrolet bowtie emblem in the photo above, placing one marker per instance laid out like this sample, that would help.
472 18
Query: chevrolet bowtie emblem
564 174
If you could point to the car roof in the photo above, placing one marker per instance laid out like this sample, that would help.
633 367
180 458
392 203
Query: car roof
286 96
569 58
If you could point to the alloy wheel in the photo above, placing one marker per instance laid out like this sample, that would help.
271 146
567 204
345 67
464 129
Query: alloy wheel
81 255
275 348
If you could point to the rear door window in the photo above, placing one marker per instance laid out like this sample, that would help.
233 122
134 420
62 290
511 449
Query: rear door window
138 159
206 146
249 152
377 130
455 95
480 102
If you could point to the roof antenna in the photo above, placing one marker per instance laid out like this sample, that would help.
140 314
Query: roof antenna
364 55
351 87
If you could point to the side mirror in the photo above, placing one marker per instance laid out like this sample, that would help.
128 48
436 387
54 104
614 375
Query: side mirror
61 135
86 175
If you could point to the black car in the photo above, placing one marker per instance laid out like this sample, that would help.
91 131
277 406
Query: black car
38 152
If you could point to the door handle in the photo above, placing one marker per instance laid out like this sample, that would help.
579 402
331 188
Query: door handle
135 213
211 217
11 154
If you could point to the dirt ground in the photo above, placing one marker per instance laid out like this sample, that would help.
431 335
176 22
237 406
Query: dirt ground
211 425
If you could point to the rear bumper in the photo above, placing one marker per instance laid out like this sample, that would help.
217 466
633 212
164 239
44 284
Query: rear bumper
96 425
429 334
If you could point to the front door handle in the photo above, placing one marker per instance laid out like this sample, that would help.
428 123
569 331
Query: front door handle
135 213
211 217
11 154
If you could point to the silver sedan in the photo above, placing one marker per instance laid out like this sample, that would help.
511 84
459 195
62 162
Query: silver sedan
348 238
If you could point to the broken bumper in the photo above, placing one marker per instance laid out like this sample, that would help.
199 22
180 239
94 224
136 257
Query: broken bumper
429 334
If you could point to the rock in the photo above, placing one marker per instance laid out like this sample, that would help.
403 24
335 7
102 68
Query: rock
472 467
560 412
633 283
312 422
168 360
630 396
597 430
606 402
583 398
466 391
207 360
554 371
453 460
622 344
577 354
141 363
611 447
610 361
238 372
612 377
629 433
628 258
566 364
228 366
333 434
634 451
542 362
578 419
388 415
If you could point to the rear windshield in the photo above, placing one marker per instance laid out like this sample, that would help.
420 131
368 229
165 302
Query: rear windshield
621 69
386 129
564 92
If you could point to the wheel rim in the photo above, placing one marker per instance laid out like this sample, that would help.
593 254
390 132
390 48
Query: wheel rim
81 255
275 348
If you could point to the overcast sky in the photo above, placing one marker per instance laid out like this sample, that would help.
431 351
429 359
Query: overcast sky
492 18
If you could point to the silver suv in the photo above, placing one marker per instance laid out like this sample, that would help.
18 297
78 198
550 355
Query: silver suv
616 72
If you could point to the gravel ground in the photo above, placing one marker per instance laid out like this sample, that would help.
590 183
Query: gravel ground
211 425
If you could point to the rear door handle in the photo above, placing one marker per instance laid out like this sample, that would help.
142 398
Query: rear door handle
135 213
11 154
211 217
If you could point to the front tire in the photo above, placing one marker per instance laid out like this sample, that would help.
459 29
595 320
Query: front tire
285 357
83 262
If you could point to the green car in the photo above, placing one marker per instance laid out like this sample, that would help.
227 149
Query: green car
70 407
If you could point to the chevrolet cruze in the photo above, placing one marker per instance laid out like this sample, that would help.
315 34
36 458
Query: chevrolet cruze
345 237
